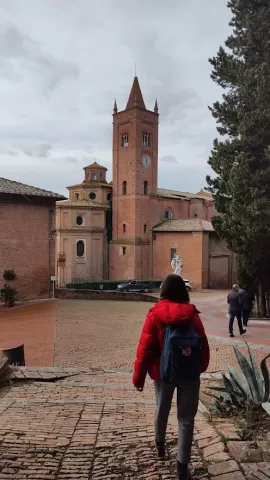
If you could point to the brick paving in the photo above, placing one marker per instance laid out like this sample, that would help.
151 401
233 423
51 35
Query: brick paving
90 426
84 420
82 333
34 325
75 333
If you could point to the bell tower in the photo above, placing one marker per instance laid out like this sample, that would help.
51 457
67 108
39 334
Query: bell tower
135 171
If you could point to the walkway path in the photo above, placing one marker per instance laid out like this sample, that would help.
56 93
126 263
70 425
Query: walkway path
34 325
97 334
91 426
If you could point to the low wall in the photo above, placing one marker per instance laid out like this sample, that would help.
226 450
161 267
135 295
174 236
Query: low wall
69 294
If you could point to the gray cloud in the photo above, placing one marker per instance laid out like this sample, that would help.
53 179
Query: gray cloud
168 159
39 151
62 64
16 46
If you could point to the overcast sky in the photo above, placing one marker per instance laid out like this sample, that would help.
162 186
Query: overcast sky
63 62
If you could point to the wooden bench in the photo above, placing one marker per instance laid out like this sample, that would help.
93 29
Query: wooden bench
14 351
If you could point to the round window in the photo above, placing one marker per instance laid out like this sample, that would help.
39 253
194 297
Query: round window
109 197
92 196
79 220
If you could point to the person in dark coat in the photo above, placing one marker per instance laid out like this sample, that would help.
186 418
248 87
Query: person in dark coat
246 303
235 310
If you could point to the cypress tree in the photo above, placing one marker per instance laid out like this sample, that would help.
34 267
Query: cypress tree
240 156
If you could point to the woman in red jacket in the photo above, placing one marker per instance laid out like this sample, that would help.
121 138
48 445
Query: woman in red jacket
173 309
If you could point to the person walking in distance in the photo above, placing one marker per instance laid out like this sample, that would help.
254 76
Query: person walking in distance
174 351
234 302
246 302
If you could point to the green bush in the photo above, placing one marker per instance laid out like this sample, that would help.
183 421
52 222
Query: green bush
107 284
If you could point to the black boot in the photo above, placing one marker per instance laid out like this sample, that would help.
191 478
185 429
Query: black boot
182 471
160 447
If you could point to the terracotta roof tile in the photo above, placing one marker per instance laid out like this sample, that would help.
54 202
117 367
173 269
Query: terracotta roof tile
80 203
184 225
95 165
90 184
17 188
163 192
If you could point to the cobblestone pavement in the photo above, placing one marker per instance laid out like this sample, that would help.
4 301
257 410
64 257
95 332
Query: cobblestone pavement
90 426
75 333
105 334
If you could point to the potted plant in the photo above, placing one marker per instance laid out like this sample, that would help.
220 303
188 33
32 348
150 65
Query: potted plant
7 294
9 274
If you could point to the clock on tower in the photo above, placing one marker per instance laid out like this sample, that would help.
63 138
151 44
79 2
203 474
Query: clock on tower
135 163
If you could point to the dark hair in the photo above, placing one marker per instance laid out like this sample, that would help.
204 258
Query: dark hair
174 289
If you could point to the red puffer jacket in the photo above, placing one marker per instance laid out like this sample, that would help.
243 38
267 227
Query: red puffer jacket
151 341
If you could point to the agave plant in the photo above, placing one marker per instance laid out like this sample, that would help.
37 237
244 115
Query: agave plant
248 387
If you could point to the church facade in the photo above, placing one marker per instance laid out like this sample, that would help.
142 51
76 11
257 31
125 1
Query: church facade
130 228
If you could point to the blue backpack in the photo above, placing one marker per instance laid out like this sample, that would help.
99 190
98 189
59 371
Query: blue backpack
180 361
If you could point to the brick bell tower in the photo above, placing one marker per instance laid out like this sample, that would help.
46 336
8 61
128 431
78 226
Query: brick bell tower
135 171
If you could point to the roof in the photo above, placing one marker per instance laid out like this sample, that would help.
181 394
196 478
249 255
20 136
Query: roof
91 184
203 193
135 96
80 203
184 225
95 165
162 192
17 188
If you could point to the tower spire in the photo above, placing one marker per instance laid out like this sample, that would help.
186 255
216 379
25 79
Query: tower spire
135 97
115 109
156 107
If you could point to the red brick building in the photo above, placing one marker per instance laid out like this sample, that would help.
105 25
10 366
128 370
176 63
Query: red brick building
27 219
150 224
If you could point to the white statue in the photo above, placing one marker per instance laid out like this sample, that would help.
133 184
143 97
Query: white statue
177 265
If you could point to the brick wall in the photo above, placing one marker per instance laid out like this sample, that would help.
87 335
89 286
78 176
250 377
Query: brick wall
189 246
24 246
69 294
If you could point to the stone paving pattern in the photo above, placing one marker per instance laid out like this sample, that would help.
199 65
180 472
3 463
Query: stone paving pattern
71 333
93 425
89 426
84 420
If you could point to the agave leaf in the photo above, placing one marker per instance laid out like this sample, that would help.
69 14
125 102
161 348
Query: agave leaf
224 390
234 396
266 407
265 374
257 373
213 396
239 379
249 375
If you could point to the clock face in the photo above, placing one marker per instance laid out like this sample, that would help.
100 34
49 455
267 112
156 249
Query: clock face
146 161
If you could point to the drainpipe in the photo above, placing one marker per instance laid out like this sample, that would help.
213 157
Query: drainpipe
50 212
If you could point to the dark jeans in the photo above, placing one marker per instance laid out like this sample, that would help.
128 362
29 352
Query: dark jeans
245 315
187 406
239 320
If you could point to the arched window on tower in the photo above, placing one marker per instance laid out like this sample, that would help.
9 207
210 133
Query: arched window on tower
145 188
168 214
124 188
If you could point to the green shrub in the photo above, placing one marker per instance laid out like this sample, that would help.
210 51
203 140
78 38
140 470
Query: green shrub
107 284
247 388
